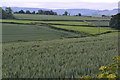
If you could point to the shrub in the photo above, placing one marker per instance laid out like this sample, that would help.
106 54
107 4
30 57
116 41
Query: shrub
115 21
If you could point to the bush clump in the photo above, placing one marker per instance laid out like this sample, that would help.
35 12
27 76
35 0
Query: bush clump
115 21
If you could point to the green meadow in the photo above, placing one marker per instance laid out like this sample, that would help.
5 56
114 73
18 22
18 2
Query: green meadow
21 32
56 17
88 30
53 22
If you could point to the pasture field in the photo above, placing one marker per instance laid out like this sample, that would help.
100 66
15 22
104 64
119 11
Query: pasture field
66 22
56 17
53 22
17 21
58 58
76 23
100 23
88 30
19 32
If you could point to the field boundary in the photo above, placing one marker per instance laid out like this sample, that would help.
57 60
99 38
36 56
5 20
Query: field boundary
51 26
107 32
33 23
78 32
61 20
17 23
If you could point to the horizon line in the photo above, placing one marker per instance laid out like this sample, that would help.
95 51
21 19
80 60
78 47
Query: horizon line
58 8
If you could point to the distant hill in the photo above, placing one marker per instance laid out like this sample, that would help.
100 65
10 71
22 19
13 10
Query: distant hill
88 12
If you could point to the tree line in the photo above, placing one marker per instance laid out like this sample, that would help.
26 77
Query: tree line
8 13
42 12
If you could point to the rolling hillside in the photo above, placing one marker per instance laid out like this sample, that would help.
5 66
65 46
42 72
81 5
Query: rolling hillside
45 46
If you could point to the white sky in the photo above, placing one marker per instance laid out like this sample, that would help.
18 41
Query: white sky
108 1
89 4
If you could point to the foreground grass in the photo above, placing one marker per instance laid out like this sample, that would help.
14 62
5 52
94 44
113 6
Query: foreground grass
58 58
88 30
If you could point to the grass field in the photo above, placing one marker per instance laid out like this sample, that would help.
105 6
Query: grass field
80 28
17 21
100 23
53 17
58 58
89 30
54 22
65 22
19 32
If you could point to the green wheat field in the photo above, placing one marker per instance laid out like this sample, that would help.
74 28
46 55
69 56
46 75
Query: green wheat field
48 46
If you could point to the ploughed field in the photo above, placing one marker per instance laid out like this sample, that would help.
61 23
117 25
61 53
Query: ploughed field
45 46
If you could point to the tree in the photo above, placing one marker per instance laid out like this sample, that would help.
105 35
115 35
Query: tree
3 14
115 21
9 12
65 13
21 12
103 15
79 14
55 13
0 13
6 14
33 12
28 12
46 12
40 11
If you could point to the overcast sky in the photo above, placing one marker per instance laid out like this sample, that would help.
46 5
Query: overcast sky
58 4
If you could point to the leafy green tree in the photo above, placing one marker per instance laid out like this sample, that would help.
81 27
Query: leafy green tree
40 11
115 21
0 13
46 12
28 12
33 12
21 12
9 12
79 14
55 13
3 14
6 14
65 13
